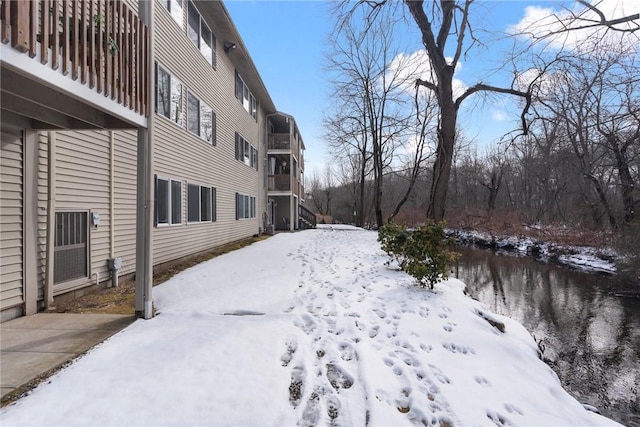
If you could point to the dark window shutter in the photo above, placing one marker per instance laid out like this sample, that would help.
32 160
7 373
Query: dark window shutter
213 128
237 206
238 93
237 146
155 82
155 200
214 216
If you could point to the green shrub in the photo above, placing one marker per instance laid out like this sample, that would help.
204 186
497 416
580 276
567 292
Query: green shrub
421 252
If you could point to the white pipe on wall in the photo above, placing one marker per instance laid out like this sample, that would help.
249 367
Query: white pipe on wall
51 218
112 188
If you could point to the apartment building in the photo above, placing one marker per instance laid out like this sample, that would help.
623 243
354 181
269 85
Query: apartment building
285 175
133 134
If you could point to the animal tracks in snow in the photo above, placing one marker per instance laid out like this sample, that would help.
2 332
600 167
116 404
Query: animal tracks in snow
351 318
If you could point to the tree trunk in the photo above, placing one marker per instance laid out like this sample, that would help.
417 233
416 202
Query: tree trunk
626 180
603 200
446 141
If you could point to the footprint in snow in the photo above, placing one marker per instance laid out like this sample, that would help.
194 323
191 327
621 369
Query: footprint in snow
512 409
456 348
440 376
306 323
426 348
311 412
381 314
333 407
347 352
291 347
482 381
374 331
296 387
338 377
498 419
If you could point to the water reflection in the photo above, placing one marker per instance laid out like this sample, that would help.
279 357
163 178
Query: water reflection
591 336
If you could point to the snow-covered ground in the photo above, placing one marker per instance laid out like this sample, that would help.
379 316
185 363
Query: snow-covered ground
585 258
309 328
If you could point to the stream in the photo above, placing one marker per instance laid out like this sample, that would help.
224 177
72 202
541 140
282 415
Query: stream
588 324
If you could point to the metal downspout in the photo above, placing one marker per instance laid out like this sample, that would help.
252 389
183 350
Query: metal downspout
112 188
145 184
112 209
51 218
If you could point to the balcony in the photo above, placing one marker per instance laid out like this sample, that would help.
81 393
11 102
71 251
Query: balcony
84 64
279 141
279 183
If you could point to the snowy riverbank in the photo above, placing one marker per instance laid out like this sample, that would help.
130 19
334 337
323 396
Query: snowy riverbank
309 328
585 258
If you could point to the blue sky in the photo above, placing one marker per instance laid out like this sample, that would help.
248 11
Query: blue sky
287 41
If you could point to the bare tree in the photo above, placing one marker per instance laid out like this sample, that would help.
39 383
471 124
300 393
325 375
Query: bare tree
370 81
593 98
321 192
589 17
492 179
441 23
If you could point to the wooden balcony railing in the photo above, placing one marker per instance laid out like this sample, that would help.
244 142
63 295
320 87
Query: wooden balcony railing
279 183
279 141
101 42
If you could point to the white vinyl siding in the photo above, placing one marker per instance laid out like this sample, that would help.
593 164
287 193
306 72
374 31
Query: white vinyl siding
175 9
82 184
124 216
179 155
42 190
11 220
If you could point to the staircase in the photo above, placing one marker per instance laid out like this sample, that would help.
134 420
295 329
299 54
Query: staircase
307 219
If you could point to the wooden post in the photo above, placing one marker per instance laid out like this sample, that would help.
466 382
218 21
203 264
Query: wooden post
44 32
20 25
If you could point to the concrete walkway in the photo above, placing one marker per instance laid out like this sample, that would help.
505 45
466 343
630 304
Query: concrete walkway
35 345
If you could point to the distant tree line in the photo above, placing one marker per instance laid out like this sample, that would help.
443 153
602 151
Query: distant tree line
400 154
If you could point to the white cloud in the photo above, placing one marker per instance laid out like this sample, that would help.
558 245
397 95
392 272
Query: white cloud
416 65
499 116
540 22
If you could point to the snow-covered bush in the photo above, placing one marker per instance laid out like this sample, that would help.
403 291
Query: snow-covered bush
421 252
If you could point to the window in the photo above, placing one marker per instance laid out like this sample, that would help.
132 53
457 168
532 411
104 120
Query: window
246 153
245 97
245 206
71 251
201 120
168 201
168 95
254 158
175 9
253 107
201 203
201 35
